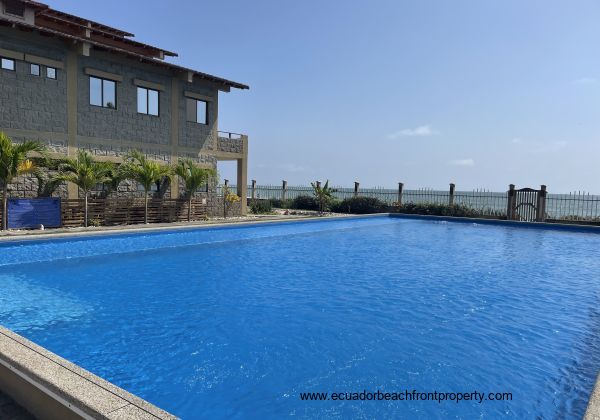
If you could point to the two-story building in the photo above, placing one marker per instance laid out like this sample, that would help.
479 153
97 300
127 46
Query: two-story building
73 83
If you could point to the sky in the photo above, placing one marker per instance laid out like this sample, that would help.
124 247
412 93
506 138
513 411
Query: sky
479 93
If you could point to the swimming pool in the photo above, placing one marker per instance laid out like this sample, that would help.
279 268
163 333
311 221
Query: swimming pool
239 321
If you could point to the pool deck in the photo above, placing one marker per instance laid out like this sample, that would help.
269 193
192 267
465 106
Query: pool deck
593 409
49 386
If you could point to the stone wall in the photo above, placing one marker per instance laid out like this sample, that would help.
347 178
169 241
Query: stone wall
36 108
226 144
124 122
34 103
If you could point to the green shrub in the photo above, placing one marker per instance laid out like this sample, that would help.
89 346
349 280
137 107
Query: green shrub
433 209
360 205
280 204
260 206
304 202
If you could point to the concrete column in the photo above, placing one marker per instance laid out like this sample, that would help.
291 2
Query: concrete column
451 196
242 177
510 202
283 190
541 205
400 189
71 68
174 138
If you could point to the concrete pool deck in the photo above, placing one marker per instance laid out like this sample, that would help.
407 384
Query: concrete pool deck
51 387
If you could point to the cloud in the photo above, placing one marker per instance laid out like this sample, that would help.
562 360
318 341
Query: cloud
420 131
585 81
516 140
462 162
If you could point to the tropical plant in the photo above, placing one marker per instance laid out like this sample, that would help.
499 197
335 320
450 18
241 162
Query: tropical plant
86 173
137 167
360 205
14 161
323 195
229 199
194 177
47 184
261 206
304 202
115 177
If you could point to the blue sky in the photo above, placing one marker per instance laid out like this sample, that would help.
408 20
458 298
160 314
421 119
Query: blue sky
480 93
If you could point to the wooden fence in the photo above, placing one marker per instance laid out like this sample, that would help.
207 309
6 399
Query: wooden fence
124 211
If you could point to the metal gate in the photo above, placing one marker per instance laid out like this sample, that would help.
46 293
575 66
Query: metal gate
526 204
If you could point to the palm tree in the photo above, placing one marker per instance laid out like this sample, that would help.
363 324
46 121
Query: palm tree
194 177
139 168
323 194
14 161
86 174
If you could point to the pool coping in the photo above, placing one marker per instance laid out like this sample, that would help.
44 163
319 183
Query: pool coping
132 229
593 408
44 383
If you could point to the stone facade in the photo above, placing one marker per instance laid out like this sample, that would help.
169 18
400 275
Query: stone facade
58 112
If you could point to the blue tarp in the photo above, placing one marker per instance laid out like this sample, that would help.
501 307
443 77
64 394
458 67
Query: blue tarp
26 213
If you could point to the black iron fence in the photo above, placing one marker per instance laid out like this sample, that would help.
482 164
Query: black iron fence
516 204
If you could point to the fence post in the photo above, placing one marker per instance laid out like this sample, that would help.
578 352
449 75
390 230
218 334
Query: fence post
541 205
510 205
356 185
283 189
400 188
451 196
253 190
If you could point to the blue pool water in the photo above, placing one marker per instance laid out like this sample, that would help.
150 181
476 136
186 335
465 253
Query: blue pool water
237 322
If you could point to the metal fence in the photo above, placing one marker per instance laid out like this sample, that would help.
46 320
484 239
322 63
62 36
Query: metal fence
576 206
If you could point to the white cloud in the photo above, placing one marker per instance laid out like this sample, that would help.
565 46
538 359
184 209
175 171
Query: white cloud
420 131
516 140
585 81
462 162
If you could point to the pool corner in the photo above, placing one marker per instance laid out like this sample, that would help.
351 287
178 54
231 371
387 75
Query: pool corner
50 387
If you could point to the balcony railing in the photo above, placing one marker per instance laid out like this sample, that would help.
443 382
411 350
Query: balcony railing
230 142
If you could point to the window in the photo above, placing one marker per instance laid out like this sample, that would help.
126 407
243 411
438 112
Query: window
147 100
197 111
50 72
35 69
14 7
8 64
103 93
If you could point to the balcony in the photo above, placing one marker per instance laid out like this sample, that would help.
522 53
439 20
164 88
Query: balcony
231 142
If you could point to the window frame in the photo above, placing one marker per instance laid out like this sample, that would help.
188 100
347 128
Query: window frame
48 68
206 112
39 69
147 96
102 80
11 60
12 12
